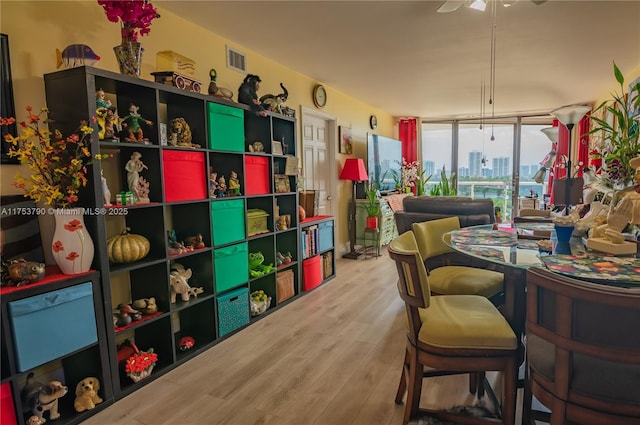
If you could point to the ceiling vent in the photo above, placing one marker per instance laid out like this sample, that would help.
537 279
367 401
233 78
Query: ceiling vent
236 60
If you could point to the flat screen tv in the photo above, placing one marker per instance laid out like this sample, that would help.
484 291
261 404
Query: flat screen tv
384 161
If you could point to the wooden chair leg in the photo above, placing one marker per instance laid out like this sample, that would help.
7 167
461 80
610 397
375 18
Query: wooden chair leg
526 399
414 387
473 383
402 386
480 378
509 393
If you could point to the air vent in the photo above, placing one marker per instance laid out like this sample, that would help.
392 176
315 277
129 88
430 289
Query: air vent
236 60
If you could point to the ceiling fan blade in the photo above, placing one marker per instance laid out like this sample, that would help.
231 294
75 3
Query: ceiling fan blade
450 6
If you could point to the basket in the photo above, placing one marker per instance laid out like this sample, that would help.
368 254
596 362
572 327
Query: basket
138 364
259 307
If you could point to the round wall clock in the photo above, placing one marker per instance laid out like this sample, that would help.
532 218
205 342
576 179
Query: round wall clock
319 96
373 122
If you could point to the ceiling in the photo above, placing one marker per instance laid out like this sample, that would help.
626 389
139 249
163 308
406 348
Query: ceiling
408 60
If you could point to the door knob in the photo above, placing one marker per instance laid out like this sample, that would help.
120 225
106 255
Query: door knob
329 198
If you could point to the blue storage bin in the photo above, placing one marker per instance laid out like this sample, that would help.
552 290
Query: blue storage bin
231 266
325 236
233 310
52 325
228 219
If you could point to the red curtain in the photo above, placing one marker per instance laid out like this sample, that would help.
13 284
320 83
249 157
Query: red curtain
409 138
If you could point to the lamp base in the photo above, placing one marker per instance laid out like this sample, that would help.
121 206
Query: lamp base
355 255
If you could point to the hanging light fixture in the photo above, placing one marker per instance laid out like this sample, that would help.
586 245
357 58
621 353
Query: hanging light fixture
492 84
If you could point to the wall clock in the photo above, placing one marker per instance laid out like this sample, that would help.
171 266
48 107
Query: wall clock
319 96
373 122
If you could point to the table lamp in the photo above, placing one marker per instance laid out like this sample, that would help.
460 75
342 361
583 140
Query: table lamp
569 116
355 171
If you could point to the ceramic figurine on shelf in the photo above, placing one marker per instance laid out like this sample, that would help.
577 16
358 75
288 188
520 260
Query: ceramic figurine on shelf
180 134
275 103
175 247
221 190
106 193
234 184
106 116
137 184
213 184
134 122
179 280
248 94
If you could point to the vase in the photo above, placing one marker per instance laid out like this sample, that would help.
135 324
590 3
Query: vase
372 222
129 56
72 246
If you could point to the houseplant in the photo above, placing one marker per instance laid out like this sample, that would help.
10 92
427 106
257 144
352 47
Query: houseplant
446 186
58 167
618 142
135 18
372 206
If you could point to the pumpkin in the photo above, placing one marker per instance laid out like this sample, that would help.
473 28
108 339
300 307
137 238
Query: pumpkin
127 247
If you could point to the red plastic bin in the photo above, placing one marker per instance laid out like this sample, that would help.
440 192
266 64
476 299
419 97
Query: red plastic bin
6 405
256 172
185 178
312 273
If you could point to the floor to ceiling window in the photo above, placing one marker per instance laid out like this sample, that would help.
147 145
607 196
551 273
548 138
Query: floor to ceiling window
501 169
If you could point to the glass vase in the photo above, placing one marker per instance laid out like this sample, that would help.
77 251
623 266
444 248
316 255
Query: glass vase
72 246
129 56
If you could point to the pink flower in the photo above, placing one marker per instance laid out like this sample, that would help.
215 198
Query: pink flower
134 15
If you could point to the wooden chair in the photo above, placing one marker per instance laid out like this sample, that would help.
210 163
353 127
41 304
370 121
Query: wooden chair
451 279
583 350
450 333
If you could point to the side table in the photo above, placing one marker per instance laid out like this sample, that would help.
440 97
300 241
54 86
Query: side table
372 249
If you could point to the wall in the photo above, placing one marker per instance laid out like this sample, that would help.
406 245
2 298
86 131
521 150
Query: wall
37 28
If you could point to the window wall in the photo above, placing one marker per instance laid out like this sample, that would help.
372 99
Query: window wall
496 161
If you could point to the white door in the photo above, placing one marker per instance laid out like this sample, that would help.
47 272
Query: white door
318 165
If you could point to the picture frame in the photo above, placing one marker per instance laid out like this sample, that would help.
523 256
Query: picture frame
345 140
282 183
276 148
7 108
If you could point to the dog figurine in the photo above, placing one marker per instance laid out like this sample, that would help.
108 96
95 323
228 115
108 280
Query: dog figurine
40 398
87 394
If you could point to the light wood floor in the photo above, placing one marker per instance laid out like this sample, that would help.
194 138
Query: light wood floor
332 357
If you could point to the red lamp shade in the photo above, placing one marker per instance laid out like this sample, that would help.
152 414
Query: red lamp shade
354 170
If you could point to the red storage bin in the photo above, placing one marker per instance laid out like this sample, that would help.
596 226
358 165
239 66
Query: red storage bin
312 273
6 405
185 177
256 172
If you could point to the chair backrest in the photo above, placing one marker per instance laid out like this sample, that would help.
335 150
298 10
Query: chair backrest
591 330
428 235
413 282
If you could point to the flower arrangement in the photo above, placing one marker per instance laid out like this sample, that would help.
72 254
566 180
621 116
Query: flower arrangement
135 16
409 173
617 144
58 164
140 364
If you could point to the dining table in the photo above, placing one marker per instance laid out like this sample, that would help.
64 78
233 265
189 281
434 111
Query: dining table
514 248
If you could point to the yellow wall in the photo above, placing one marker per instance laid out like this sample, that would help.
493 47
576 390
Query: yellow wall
37 28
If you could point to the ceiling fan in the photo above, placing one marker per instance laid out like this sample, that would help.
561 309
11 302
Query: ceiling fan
453 5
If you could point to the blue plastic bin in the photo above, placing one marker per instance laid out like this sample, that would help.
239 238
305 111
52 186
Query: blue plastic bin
325 236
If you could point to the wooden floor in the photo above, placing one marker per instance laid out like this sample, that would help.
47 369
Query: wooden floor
332 357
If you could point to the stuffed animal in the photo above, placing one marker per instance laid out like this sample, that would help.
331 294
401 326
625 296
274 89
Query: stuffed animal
256 268
248 94
40 398
87 394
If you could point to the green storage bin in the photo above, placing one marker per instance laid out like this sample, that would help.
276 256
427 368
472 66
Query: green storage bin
233 310
228 221
231 266
226 127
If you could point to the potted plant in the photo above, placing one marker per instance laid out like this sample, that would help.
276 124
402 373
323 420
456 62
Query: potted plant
372 206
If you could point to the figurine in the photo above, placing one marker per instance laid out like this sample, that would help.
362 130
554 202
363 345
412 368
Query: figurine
111 124
276 102
221 190
136 183
101 100
146 305
194 242
213 184
248 94
18 272
178 278
283 222
106 193
256 147
175 247
125 314
133 122
180 133
186 343
40 398
234 184
213 87
87 394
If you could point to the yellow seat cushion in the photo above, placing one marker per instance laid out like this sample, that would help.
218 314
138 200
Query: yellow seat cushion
462 280
465 322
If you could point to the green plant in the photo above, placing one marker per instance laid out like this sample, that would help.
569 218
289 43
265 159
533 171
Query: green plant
447 185
619 142
421 182
372 206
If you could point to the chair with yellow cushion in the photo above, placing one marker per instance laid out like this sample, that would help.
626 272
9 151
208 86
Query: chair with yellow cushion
450 333
447 279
